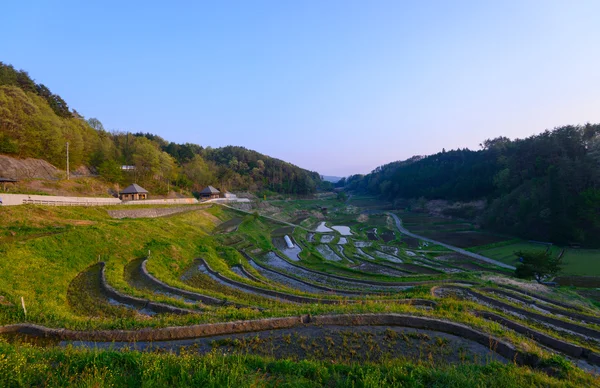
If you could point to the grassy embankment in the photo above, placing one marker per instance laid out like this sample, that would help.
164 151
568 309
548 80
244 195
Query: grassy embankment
25 366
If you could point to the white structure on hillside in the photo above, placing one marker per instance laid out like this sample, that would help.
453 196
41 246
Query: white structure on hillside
288 241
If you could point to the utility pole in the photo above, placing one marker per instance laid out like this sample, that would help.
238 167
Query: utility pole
67 160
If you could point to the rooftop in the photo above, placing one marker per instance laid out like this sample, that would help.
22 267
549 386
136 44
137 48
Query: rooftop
209 190
134 189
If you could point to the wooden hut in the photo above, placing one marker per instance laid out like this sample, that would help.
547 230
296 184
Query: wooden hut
209 193
4 181
133 193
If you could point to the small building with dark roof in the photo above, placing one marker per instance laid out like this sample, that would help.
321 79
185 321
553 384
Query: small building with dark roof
133 193
209 192
4 181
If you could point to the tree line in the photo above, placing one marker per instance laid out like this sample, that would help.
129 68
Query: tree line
36 123
544 187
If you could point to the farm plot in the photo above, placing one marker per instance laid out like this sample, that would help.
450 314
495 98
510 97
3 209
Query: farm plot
576 262
229 225
337 343
465 239
328 253
366 266
291 253
327 280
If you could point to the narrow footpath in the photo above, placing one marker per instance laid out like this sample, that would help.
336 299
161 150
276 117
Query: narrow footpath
405 231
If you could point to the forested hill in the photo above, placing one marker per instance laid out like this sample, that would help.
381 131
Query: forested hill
545 187
36 123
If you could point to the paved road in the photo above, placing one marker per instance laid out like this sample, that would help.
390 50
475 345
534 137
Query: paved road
405 231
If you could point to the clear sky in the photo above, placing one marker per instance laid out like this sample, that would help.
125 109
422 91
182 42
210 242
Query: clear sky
338 87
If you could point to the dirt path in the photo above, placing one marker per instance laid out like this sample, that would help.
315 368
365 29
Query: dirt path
405 231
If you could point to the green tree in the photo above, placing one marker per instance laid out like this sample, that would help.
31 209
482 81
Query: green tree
111 171
538 265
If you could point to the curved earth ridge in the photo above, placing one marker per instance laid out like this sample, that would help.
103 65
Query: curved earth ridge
559 311
158 308
545 299
374 282
185 293
501 347
582 330
293 277
302 299
543 339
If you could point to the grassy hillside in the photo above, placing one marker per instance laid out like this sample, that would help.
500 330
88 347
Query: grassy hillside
36 123
49 256
545 187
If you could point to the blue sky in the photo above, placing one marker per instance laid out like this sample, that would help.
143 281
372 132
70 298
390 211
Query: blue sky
338 87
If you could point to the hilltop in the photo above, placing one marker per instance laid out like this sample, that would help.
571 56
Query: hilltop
545 187
35 123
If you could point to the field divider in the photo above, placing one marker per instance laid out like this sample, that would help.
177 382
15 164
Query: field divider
185 293
568 314
378 283
501 347
586 331
111 292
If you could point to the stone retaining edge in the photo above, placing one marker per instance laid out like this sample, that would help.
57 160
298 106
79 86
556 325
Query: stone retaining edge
376 283
554 310
249 275
543 318
542 298
178 291
276 294
109 291
544 339
501 347
304 299
504 349
296 278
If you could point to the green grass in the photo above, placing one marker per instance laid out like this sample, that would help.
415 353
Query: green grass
26 366
44 249
582 262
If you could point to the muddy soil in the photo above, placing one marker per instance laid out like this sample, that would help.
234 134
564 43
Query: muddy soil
86 297
133 276
229 225
274 261
411 242
388 236
328 253
387 257
286 281
379 269
337 343
327 238
372 236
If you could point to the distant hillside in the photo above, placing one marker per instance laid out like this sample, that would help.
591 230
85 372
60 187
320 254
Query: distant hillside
332 179
35 123
545 187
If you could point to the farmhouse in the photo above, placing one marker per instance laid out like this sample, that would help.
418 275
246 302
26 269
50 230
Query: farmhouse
133 193
209 192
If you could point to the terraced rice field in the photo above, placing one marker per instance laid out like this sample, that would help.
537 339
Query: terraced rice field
187 284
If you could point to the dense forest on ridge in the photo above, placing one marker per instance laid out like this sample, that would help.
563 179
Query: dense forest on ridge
36 123
545 187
